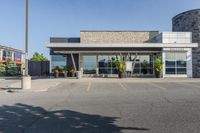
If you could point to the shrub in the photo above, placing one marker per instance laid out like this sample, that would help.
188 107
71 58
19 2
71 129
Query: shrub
158 65
12 69
121 66
2 69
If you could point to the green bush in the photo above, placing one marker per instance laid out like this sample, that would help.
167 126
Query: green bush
2 69
12 69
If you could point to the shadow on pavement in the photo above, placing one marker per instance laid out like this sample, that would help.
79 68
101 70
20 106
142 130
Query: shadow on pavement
10 90
27 118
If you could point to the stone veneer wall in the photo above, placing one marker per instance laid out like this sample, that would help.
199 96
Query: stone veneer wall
117 36
190 21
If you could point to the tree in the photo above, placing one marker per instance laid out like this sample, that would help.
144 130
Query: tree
39 57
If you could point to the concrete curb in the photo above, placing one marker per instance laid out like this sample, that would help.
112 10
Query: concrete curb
16 87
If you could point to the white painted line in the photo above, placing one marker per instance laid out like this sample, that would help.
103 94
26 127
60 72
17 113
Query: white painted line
89 86
123 87
158 86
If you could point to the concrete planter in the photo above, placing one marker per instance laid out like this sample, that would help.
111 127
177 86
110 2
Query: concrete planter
158 75
26 82
78 74
122 75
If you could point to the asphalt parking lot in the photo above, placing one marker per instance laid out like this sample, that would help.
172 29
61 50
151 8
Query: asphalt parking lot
104 106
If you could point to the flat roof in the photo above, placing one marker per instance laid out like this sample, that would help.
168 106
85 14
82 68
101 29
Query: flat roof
119 31
10 48
122 45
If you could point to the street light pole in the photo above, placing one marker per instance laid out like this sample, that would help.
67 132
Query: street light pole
26 45
26 79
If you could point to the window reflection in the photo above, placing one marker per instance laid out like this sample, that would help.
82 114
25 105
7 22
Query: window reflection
89 65
58 61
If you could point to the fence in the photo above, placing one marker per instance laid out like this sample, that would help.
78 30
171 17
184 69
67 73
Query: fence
39 68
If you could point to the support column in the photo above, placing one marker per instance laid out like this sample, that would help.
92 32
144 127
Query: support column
189 64
97 64
163 60
81 63
73 61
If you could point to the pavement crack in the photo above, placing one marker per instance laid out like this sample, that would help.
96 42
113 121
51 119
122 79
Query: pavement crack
167 100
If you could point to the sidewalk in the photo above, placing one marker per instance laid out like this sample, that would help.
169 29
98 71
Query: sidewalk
39 85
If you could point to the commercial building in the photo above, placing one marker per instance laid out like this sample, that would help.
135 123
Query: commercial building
94 53
189 21
11 53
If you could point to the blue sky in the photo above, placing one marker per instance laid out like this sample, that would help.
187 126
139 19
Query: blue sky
65 18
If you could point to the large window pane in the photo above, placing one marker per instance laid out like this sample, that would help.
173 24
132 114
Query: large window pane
58 60
170 70
176 63
181 59
89 65
181 71
170 63
181 63
106 63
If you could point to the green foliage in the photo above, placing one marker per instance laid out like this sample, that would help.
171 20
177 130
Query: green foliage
145 64
2 69
158 65
39 57
121 66
113 62
64 71
11 68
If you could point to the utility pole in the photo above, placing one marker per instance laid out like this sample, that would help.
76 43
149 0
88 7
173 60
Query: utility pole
26 41
26 79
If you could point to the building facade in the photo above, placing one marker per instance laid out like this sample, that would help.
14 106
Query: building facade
94 53
11 53
189 21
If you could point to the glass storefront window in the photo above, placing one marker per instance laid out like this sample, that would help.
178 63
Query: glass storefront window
170 71
106 64
181 71
58 61
143 64
175 63
89 64
170 63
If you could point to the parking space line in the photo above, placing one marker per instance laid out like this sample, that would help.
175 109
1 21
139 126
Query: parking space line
123 86
158 86
89 86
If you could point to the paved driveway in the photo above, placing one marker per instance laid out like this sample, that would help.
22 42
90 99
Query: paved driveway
104 106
